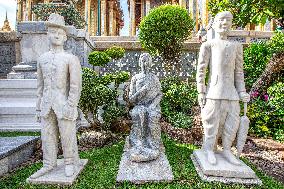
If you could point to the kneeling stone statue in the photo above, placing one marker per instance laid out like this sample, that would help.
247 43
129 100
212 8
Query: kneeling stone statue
144 159
145 93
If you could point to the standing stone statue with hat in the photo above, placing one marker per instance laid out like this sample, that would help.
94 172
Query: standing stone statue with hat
219 101
59 87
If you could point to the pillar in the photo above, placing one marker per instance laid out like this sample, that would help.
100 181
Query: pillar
111 17
103 18
182 3
148 6
204 13
29 10
132 18
19 11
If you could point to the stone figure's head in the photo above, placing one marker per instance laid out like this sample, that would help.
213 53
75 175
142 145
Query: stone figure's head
145 61
223 22
56 29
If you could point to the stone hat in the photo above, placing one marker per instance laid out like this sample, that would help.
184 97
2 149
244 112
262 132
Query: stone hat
55 20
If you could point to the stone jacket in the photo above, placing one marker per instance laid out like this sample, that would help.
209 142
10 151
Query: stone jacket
226 78
59 84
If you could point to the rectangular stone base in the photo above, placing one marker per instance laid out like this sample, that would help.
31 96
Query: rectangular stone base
158 170
57 176
223 171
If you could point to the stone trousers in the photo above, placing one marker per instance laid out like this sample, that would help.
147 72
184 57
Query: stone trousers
51 129
145 130
220 118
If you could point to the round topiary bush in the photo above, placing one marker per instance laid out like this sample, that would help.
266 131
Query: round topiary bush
115 52
164 29
98 58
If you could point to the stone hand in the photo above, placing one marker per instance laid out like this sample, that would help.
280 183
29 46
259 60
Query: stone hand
244 96
201 99
37 116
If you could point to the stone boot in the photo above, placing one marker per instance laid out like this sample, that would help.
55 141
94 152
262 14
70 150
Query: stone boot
42 172
69 170
230 157
211 157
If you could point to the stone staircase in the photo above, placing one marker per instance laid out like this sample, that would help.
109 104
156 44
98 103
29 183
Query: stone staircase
17 105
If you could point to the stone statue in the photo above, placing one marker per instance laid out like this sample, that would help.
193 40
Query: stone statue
219 99
145 93
59 88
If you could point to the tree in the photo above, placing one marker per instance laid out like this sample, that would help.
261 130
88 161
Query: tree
163 31
249 11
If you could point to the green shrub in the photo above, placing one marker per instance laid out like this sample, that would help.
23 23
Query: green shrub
257 55
112 113
164 29
179 97
115 52
180 120
98 58
266 113
94 94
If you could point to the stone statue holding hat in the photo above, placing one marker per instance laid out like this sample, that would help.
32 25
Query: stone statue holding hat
219 98
145 93
59 88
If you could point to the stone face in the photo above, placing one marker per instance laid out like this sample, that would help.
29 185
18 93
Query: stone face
223 171
14 151
57 176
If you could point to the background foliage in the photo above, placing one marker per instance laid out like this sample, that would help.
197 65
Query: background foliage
178 100
266 110
102 91
69 12
164 29
249 11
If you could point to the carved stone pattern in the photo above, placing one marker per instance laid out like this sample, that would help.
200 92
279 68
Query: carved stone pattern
258 39
7 58
239 39
130 64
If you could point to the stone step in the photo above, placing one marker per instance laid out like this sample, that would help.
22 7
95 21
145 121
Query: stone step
14 151
18 88
17 118
20 126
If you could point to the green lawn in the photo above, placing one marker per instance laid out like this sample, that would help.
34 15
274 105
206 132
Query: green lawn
103 166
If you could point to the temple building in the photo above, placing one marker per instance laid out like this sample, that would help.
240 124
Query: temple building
6 27
110 17
103 17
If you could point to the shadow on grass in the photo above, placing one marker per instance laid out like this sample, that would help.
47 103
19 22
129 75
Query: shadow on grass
103 164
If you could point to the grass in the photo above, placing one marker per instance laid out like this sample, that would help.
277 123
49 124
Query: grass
103 164
18 133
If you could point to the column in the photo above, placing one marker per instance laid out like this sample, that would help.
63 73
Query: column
19 11
103 18
132 18
182 3
29 10
89 18
142 9
148 6
204 13
111 17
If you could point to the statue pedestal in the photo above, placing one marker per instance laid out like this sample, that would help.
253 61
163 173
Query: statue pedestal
223 171
57 176
158 170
